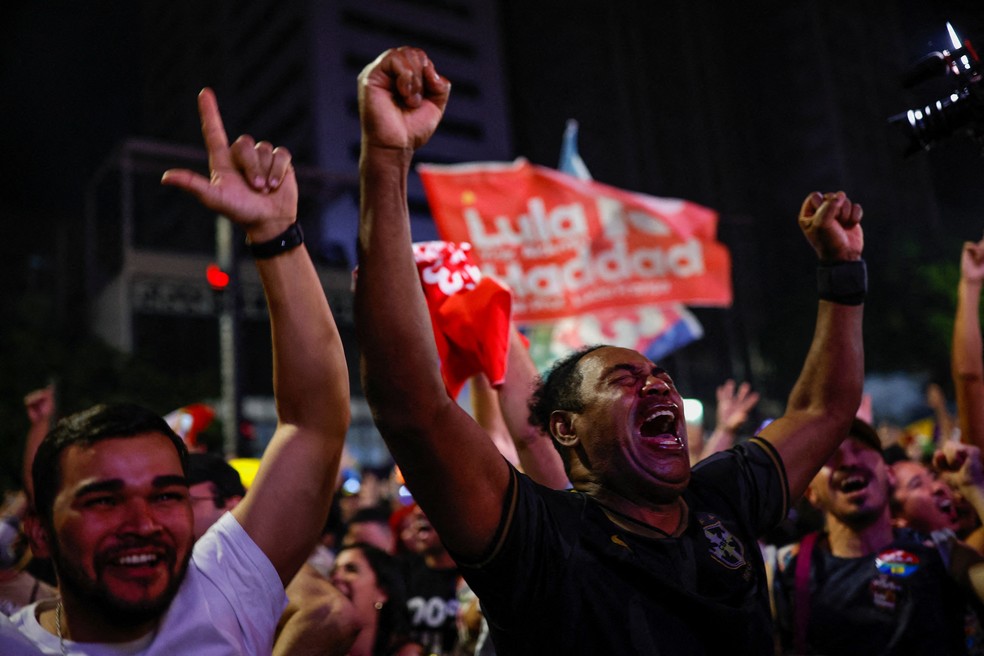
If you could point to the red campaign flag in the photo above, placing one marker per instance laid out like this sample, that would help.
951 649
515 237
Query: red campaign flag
469 314
568 247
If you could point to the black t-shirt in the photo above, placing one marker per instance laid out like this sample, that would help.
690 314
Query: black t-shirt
898 600
567 580
432 603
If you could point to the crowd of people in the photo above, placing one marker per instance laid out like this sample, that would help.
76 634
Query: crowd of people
568 513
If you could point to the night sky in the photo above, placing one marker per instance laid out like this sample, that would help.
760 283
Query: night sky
70 78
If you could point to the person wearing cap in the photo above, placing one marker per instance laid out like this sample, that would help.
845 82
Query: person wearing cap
865 586
214 488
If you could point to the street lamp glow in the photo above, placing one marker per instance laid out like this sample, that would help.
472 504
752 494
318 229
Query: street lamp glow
693 411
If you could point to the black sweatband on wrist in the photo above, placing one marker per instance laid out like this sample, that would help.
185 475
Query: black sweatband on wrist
843 282
287 240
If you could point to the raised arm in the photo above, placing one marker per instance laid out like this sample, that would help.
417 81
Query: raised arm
967 365
536 451
450 464
960 467
827 394
733 406
488 413
936 400
253 184
40 407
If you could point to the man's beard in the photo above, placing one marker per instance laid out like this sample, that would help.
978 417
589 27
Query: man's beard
97 597
861 518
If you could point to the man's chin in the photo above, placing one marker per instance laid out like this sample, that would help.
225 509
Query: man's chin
127 613
860 518
668 488
119 603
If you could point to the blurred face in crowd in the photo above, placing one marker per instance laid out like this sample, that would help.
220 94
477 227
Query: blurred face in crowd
375 533
631 433
852 485
420 536
207 505
352 574
121 529
922 502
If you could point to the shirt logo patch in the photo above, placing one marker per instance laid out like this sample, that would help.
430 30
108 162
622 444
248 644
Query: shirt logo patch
885 592
897 562
725 547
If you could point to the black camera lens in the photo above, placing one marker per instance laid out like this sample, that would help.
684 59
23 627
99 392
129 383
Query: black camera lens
927 126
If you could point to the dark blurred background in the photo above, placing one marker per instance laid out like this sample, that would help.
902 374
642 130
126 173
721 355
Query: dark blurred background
743 107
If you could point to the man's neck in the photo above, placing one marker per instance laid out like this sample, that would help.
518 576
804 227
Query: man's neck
848 541
664 519
80 623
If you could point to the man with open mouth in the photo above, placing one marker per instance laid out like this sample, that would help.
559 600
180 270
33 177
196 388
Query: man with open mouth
948 497
111 500
871 584
643 556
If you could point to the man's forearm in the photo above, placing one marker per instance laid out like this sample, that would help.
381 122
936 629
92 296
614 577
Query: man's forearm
536 452
825 398
832 378
310 374
967 363
296 478
394 328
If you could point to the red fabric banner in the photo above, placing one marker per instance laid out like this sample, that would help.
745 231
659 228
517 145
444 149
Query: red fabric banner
567 246
469 314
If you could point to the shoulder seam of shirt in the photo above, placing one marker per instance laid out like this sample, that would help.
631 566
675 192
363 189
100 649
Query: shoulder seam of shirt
504 525
770 450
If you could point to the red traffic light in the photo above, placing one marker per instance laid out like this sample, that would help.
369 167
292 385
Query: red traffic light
216 277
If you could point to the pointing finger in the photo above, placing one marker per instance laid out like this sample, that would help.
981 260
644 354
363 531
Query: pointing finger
213 131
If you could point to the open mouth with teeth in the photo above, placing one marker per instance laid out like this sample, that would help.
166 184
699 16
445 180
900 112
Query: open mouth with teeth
854 482
659 428
948 508
138 560
136 564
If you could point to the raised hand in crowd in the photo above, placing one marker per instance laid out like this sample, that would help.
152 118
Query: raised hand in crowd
967 360
254 185
733 405
40 407
616 416
827 394
112 481
959 466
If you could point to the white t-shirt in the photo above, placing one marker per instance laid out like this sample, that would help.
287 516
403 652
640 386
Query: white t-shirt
229 603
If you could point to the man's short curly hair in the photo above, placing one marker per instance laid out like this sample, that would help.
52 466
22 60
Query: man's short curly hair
559 389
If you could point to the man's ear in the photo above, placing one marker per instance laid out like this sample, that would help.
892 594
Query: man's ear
891 478
562 427
811 496
38 536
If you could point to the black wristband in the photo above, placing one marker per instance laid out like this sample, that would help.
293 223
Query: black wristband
287 240
843 282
